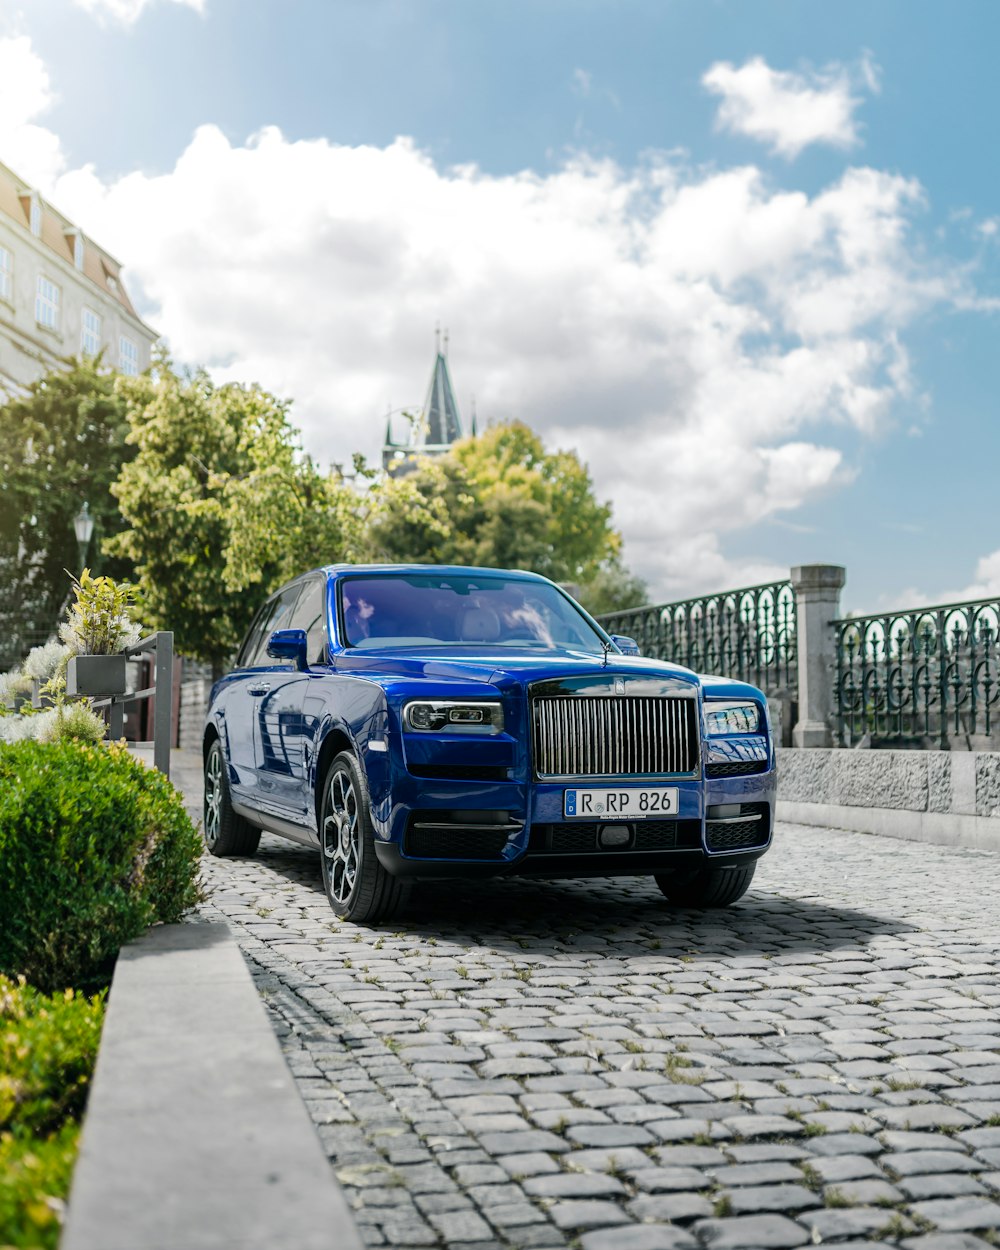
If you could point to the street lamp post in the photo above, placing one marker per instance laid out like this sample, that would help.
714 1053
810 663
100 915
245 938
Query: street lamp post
83 524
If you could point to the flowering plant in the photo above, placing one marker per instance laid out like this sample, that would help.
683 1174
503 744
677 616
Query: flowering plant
100 620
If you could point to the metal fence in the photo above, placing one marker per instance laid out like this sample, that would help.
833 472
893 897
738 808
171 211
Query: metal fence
925 677
748 633
159 647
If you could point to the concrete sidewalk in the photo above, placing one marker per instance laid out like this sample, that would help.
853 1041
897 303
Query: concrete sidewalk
195 1136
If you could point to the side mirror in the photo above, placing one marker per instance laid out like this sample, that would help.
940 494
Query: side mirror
627 646
288 644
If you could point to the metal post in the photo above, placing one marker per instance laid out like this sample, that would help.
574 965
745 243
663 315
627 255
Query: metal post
116 719
164 706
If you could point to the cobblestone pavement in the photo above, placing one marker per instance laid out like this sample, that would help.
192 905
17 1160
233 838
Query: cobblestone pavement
520 1064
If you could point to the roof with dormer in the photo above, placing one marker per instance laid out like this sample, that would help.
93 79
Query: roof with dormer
66 240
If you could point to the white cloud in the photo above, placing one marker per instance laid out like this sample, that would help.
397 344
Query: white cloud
790 110
985 584
127 12
708 343
26 94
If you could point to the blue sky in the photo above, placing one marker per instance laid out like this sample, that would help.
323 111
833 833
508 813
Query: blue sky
692 400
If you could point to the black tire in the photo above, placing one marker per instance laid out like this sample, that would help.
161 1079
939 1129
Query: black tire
711 887
226 833
357 887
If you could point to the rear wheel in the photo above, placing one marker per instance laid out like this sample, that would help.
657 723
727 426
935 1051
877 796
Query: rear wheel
357 886
711 887
226 833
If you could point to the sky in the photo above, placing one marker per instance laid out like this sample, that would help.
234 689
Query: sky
743 256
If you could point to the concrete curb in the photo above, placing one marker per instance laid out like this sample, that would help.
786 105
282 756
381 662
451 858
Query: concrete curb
981 833
195 1136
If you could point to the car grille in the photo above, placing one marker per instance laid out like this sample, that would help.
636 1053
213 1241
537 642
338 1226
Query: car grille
750 828
460 772
454 844
647 835
736 768
584 736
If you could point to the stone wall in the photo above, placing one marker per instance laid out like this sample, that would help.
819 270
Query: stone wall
950 797
196 686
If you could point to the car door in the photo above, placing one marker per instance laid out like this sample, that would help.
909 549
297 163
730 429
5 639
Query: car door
277 689
312 612
239 709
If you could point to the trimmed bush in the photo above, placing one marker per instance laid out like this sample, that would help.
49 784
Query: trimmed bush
48 1047
35 1177
94 848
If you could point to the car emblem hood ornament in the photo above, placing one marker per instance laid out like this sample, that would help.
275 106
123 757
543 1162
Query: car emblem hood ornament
619 685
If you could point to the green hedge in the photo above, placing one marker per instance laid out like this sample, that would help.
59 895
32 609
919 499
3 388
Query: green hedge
48 1047
94 848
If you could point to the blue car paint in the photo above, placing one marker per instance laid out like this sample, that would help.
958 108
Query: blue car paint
359 697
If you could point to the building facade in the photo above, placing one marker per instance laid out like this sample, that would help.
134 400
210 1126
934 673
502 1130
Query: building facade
61 294
437 428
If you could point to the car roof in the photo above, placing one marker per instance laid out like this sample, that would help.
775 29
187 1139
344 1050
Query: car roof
445 570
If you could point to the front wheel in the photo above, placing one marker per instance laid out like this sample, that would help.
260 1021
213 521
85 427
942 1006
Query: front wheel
357 886
710 887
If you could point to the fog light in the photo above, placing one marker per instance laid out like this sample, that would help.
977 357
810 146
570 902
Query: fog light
611 836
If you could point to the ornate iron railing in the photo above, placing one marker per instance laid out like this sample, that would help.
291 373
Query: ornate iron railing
749 634
927 677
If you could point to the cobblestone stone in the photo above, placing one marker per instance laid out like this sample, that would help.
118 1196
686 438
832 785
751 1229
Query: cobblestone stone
611 1073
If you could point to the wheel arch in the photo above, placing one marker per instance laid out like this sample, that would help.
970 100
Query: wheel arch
335 741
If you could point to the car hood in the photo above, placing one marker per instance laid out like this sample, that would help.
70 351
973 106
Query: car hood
503 666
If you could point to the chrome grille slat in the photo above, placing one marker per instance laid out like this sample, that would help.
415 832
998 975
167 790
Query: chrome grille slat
612 736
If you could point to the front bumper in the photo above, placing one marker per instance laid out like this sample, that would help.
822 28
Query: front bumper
461 829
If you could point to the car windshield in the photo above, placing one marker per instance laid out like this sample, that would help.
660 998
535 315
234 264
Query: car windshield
412 610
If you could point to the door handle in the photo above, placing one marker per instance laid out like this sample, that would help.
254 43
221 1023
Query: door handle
260 689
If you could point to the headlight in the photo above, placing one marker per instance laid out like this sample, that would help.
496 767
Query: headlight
446 715
731 718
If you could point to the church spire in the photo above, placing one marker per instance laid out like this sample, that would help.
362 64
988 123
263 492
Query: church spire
441 424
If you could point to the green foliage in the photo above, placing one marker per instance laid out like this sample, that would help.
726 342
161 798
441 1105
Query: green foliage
72 722
99 621
61 444
94 848
499 500
612 589
35 1177
48 1048
222 507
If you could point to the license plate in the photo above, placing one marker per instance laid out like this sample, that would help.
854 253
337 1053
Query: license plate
650 804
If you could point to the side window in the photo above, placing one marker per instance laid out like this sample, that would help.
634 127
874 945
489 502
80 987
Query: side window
253 634
310 615
278 617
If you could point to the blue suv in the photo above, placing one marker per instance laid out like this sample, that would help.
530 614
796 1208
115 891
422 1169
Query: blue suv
417 721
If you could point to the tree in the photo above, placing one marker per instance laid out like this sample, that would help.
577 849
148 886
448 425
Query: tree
499 500
62 444
613 588
222 507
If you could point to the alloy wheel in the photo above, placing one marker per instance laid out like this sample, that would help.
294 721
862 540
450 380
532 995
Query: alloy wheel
213 795
341 837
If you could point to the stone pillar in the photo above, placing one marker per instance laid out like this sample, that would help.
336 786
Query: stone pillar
817 600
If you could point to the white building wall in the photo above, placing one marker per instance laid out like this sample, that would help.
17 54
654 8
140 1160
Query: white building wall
29 349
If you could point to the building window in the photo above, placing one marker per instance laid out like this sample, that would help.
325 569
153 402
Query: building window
128 356
47 303
6 275
90 333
